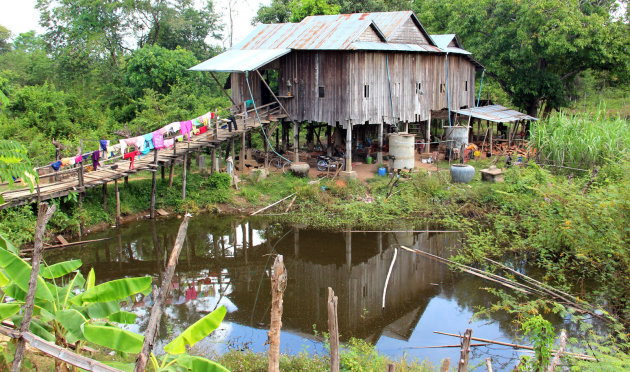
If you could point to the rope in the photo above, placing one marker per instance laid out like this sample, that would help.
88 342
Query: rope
258 117
480 86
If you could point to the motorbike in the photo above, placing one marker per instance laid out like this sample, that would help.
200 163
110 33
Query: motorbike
325 163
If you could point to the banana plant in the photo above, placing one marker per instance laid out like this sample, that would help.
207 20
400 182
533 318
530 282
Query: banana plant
71 309
68 307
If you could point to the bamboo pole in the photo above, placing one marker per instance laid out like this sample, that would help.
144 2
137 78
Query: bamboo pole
153 185
221 86
278 285
556 360
488 364
271 205
333 330
28 250
160 300
44 214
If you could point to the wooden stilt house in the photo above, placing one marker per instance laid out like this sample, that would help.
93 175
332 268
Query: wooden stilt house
351 69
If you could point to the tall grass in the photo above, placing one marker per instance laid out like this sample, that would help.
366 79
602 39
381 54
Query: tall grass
581 140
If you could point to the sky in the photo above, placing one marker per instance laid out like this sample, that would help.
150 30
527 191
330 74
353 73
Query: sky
21 16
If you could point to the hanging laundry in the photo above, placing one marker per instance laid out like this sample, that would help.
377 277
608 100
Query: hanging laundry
161 131
123 145
104 144
65 161
169 142
56 165
148 141
195 131
145 150
78 159
185 128
179 138
158 140
202 130
95 156
73 161
131 156
173 127
86 156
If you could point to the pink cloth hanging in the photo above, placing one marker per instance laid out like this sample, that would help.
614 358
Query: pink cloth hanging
185 128
158 140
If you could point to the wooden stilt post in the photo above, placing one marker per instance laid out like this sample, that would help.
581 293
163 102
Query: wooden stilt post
329 149
379 155
117 192
491 126
427 146
296 141
285 136
44 214
105 196
465 352
184 171
160 300
349 147
244 232
153 184
162 170
126 181
277 137
213 163
349 250
333 330
266 146
278 285
233 149
241 155
172 170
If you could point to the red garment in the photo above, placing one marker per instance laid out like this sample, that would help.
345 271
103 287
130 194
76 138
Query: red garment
202 130
191 293
131 156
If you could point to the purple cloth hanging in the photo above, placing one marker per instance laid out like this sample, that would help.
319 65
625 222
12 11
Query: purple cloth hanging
95 156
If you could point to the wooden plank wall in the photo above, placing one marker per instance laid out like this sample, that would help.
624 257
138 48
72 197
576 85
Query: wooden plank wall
344 74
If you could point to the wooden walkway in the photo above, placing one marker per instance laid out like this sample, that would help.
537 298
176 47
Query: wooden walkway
75 180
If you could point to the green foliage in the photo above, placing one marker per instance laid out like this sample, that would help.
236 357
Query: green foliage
157 68
534 49
300 9
581 140
541 334
15 164
196 332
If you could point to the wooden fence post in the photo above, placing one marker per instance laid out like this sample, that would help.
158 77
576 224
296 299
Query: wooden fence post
153 184
117 192
464 352
333 330
44 214
160 299
278 285
184 176
105 196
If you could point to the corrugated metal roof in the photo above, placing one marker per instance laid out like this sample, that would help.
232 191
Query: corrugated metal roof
331 32
240 60
496 113
270 36
442 41
371 45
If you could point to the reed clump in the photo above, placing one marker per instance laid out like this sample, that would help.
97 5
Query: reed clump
582 140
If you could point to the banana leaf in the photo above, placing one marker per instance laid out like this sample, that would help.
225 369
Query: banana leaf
199 364
45 315
124 317
5 244
19 272
7 310
196 332
59 269
113 290
42 330
91 279
3 280
125 367
113 338
13 291
72 321
65 294
101 310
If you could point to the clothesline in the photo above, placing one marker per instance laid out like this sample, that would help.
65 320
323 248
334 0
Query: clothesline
143 144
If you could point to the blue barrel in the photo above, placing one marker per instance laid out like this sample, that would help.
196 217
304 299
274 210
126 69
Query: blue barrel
461 173
382 171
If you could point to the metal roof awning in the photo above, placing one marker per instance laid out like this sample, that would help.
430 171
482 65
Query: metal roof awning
240 60
496 113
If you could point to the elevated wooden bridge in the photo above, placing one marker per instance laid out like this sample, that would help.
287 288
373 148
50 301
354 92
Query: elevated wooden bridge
56 184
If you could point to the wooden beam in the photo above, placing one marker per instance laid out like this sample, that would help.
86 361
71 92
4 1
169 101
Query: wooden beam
221 86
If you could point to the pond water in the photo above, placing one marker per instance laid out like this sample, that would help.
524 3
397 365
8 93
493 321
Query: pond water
226 261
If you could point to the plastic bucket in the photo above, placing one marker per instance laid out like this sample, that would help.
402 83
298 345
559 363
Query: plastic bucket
368 160
382 171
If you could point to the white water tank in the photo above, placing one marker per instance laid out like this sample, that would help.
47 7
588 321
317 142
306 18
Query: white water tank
456 136
401 148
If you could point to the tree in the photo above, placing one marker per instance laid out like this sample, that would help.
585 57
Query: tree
534 49
157 68
5 35
301 9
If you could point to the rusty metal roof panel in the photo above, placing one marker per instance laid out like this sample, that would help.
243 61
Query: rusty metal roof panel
240 60
333 32
371 45
270 36
496 113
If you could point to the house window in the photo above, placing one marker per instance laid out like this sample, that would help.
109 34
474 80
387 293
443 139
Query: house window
321 92
442 88
466 86
418 87
366 91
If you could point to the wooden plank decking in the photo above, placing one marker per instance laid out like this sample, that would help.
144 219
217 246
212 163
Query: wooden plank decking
105 174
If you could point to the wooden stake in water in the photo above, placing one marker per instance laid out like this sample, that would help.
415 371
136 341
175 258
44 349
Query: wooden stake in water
333 329
465 352
278 285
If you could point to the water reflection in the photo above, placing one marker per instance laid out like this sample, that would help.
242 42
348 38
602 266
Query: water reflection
227 262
